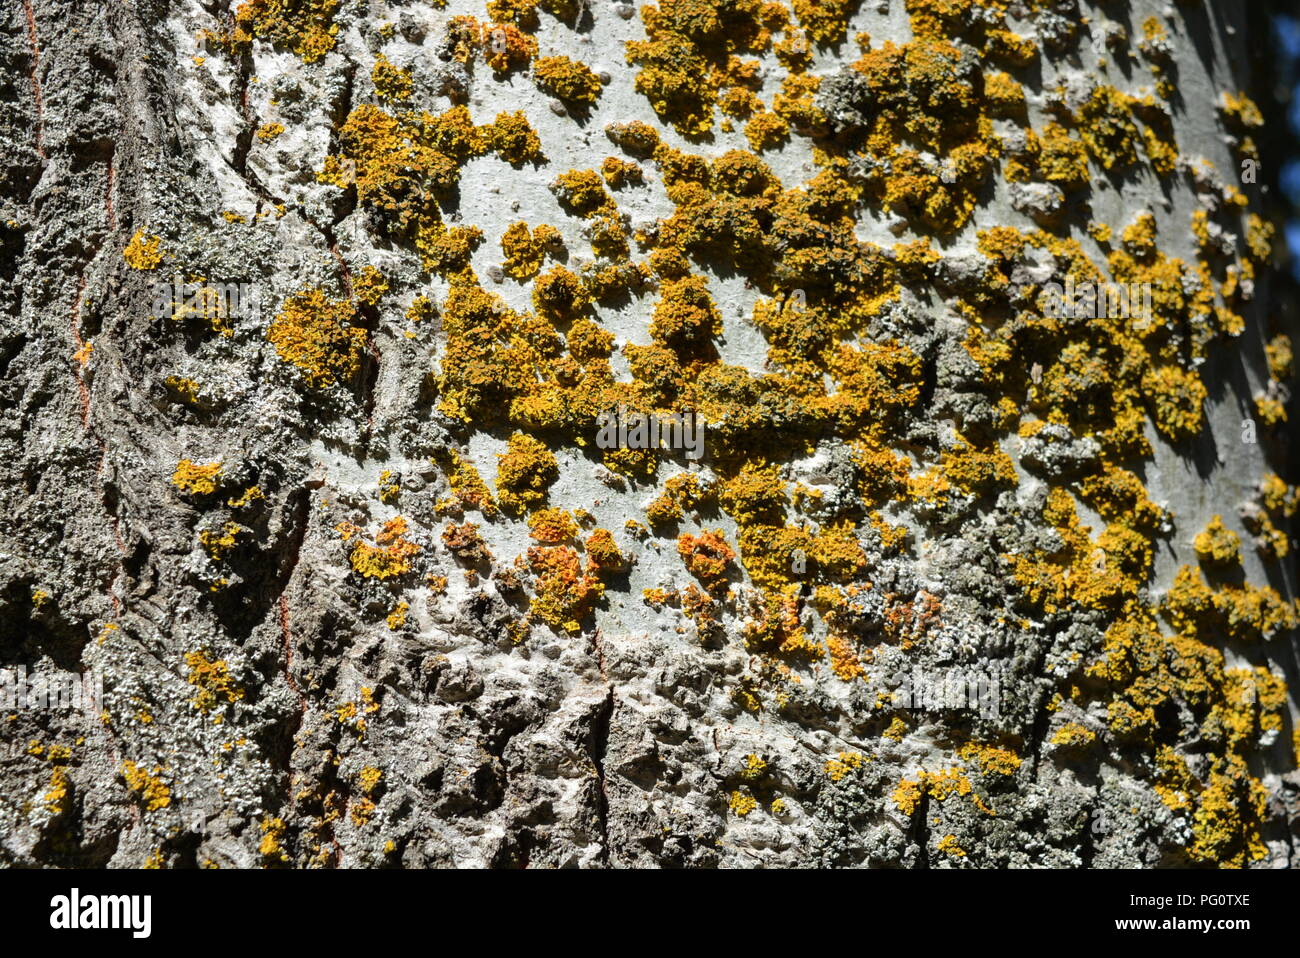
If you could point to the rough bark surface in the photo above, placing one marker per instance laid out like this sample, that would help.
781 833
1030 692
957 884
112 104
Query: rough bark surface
337 552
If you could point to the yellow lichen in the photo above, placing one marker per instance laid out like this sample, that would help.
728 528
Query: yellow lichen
1218 544
143 252
524 472
151 788
212 681
196 479
389 557
316 334
569 80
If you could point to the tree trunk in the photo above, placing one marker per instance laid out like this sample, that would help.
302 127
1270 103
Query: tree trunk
961 539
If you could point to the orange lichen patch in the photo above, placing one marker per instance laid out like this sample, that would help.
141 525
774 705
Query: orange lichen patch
196 479
1097 377
1175 783
1146 671
1239 612
149 785
389 557
270 848
793 52
211 680
1100 575
741 803
1217 544
219 544
522 12
511 137
143 252
465 543
1073 735
795 104
566 79
779 631
939 786
1279 354
620 173
1270 409
1140 237
992 759
1006 97
446 251
825 22
506 48
1278 496
845 661
1010 48
835 553
637 138
692 50
369 286
213 305
1252 706
390 486
1116 493
739 102
57 793
524 472
755 494
776 555
552 526
1229 814
1107 128
582 192
707 557
486 362
1063 160
392 161
604 552
609 240
1274 502
949 846
909 622
1240 111
1002 244
392 83
766 131
685 315
681 492
245 499
566 592
589 344
559 294
882 473
977 471
907 796
306 27
838 768
421 310
466 484
918 94
316 334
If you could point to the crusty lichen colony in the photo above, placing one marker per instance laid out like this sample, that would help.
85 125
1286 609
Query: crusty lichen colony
366 592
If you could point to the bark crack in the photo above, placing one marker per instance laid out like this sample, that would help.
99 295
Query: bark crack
599 747
36 79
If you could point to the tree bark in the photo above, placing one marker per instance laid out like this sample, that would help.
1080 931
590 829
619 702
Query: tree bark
298 441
